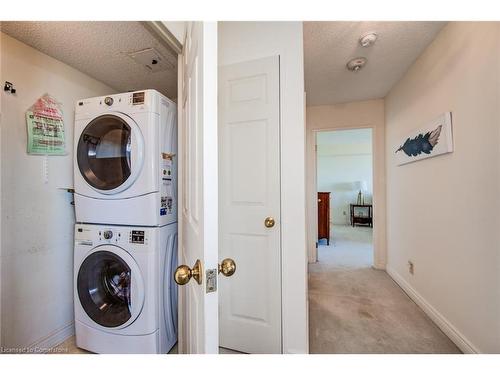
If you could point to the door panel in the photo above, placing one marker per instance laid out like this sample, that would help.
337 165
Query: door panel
252 305
198 310
249 163
244 170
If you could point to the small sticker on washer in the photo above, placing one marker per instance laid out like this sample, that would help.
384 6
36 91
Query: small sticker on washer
163 211
163 203
170 204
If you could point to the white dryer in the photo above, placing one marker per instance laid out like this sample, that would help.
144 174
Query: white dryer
125 159
125 296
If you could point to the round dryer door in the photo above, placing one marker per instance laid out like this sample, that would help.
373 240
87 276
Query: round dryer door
110 287
110 153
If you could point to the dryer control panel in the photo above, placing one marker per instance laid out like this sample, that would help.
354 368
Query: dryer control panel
127 102
109 235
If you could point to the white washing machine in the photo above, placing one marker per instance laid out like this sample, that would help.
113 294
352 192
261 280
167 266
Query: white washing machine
125 295
125 169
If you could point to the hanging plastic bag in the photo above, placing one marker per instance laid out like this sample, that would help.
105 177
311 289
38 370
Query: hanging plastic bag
45 125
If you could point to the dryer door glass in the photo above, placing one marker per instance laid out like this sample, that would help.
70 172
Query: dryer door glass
104 288
103 153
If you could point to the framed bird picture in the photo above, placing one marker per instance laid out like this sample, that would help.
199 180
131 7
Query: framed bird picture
433 140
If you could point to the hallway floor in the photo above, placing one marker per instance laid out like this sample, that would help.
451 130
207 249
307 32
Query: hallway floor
69 347
354 308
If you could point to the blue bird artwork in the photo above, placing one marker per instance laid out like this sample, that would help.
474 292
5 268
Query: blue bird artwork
422 143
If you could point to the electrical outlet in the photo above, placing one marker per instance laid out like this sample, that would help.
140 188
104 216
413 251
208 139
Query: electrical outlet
345 213
411 267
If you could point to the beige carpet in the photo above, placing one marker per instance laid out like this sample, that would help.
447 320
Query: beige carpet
354 308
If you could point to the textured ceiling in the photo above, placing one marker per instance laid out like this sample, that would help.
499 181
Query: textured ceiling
100 50
328 46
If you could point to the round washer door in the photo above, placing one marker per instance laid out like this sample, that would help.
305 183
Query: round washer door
110 153
110 287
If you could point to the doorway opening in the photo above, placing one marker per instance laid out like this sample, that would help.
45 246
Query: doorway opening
344 183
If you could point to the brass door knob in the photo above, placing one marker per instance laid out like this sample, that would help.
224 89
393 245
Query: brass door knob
227 267
183 273
269 222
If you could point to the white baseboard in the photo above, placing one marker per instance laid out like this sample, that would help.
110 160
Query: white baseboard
454 334
53 339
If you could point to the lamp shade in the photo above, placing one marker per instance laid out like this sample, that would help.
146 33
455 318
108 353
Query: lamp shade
360 186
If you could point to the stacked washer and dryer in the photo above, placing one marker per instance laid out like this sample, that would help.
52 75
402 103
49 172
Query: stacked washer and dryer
126 223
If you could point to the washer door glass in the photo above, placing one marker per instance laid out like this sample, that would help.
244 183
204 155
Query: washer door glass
104 288
104 152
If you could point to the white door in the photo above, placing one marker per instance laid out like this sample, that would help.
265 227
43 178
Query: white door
249 167
198 217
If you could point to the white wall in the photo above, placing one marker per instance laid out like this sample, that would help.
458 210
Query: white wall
339 166
443 212
36 217
243 41
354 115
177 28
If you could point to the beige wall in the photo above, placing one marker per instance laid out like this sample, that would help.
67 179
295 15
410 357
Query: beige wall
443 212
37 218
364 114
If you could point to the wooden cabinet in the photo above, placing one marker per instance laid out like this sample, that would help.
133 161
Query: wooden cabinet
324 216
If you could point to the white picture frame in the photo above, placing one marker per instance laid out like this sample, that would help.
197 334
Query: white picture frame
436 138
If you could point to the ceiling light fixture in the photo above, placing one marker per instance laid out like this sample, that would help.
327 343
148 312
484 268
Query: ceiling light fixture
356 64
368 39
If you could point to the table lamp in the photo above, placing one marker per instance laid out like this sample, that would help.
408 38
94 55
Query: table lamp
361 187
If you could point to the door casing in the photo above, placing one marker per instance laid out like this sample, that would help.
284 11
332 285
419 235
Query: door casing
287 41
250 191
196 223
379 251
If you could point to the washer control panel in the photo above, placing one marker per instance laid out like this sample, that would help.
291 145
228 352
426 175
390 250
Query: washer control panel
137 236
85 235
110 235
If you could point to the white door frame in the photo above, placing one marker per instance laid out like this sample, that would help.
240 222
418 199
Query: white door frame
243 215
198 214
244 41
208 107
379 249
294 262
